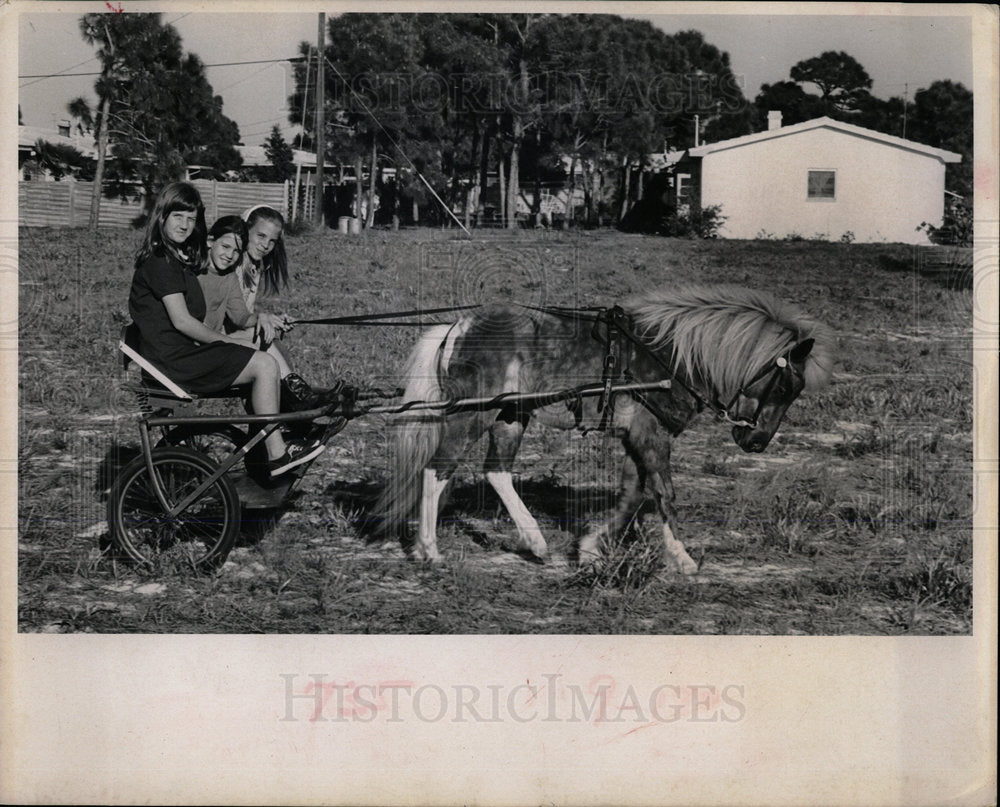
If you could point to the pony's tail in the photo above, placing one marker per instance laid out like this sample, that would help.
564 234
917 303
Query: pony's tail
416 436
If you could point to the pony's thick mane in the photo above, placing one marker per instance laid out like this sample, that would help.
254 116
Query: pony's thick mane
724 335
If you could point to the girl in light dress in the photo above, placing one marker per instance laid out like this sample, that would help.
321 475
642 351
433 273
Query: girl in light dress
231 295
167 304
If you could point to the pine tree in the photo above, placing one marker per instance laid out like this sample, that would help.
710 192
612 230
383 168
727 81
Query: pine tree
280 155
157 111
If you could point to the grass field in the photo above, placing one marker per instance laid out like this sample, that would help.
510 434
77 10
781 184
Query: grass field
857 519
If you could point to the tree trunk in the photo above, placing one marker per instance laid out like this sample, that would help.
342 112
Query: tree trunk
502 207
519 128
513 188
102 150
570 191
102 140
370 219
588 193
626 187
472 196
359 188
536 203
598 191
484 164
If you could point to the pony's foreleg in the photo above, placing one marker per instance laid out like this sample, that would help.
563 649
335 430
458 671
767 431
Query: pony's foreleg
425 547
652 451
505 439
630 497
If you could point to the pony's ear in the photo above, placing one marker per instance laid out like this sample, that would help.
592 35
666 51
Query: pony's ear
800 352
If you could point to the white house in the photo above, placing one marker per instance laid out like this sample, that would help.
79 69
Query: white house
27 136
822 178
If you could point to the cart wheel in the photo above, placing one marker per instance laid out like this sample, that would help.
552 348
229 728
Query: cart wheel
201 536
216 441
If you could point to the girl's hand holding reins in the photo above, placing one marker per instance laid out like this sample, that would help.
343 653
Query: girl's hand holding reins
271 325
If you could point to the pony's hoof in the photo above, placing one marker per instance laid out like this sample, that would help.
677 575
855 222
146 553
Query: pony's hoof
685 565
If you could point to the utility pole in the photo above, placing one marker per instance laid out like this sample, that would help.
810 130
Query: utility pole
320 118
906 92
906 96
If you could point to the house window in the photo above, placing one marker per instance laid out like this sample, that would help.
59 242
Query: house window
822 185
683 189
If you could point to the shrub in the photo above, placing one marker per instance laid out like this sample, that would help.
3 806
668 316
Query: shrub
692 222
956 229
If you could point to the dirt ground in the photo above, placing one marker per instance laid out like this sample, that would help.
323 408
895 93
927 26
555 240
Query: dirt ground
856 520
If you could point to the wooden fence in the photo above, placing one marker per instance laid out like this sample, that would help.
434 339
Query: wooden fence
67 203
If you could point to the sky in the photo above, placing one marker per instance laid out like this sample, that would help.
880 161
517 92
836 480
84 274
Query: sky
896 50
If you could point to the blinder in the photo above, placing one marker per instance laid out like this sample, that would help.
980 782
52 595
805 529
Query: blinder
782 366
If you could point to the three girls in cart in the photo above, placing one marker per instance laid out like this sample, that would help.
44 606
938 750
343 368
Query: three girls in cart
193 298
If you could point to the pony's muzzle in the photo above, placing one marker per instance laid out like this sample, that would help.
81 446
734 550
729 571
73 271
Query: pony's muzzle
753 441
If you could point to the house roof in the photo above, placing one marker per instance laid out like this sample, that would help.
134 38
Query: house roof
826 123
27 135
256 156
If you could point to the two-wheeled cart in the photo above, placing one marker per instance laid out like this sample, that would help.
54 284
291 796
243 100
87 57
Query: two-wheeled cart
185 494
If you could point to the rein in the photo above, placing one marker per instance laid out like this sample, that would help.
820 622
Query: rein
385 319
618 330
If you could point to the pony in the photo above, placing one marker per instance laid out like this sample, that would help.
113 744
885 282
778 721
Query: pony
739 352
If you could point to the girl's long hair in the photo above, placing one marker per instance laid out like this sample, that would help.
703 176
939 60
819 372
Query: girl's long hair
274 266
224 226
174 197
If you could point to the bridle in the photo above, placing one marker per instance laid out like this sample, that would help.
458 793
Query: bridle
782 365
617 329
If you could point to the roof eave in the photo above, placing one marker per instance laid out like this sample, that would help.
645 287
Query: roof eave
825 122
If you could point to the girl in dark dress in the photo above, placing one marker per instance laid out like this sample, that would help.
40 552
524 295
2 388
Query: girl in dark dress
167 304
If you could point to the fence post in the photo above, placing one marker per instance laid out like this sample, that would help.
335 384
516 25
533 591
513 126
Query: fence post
215 200
72 200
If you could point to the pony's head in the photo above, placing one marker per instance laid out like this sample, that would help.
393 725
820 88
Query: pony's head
748 355
759 406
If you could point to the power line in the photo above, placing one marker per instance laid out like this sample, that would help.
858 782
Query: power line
256 72
61 72
220 64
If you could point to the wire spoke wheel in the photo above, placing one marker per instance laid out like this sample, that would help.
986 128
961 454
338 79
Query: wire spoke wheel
200 537
215 441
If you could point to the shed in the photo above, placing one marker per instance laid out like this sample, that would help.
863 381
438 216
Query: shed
822 179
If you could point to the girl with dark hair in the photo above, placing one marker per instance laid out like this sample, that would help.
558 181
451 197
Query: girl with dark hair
167 305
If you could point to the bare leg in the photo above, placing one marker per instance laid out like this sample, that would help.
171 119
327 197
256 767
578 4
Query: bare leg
284 365
273 350
262 373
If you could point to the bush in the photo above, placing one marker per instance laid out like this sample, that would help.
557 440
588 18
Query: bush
956 230
692 222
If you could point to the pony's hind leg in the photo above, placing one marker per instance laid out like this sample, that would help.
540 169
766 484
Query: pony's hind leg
459 434
505 439
425 546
